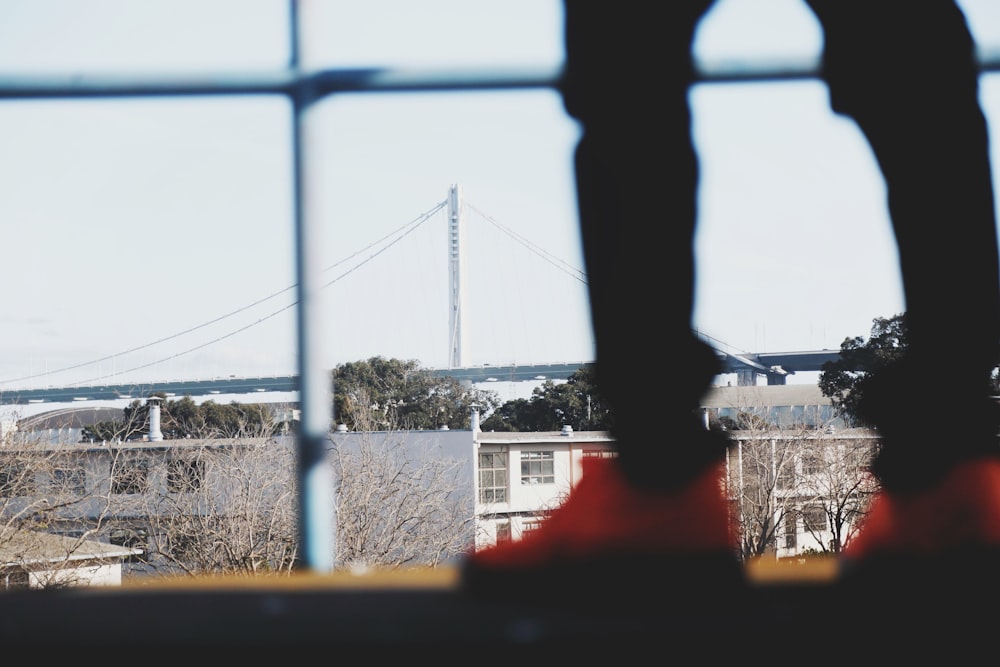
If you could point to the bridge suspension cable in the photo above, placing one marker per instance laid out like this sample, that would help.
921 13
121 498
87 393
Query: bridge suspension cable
565 267
380 245
395 237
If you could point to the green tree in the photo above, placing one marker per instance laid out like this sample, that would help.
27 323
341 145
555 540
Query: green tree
519 414
576 402
184 419
220 421
405 395
133 424
842 381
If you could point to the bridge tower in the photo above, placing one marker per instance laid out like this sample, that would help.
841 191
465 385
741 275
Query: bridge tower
456 277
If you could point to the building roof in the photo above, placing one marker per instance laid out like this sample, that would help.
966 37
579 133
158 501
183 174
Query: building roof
69 418
512 437
29 547
171 444
764 396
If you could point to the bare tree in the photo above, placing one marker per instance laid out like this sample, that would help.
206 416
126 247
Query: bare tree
399 501
193 506
45 492
758 463
225 506
228 506
835 489
786 473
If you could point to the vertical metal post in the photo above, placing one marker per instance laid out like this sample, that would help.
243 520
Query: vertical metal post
317 522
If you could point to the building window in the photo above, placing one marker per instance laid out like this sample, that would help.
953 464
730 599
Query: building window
493 477
786 476
599 453
529 526
129 476
779 415
182 547
858 456
814 518
791 531
798 415
538 468
15 579
812 463
503 532
16 480
70 480
131 537
185 476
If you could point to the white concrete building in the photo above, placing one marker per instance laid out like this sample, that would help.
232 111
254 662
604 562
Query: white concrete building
522 476
515 479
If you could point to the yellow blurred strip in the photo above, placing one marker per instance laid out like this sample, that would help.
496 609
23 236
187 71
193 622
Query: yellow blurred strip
440 578
765 570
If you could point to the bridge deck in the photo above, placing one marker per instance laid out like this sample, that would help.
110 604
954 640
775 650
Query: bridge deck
758 361
275 383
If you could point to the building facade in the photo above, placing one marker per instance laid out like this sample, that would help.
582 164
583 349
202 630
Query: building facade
521 477
798 492
795 488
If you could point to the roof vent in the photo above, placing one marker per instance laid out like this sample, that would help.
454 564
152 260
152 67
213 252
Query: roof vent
155 435
341 428
567 430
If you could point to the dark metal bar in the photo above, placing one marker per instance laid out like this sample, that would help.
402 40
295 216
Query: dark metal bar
375 80
270 83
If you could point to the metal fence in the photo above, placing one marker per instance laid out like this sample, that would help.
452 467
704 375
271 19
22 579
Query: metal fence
303 89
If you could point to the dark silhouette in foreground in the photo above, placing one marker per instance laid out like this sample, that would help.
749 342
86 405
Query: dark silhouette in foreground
656 517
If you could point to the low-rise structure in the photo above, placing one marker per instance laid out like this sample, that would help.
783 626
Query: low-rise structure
782 406
31 559
781 476
521 477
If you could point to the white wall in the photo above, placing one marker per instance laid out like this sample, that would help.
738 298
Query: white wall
107 574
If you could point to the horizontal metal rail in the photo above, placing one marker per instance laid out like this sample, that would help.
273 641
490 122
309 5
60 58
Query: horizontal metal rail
377 80
317 84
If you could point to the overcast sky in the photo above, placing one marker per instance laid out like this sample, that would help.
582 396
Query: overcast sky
153 239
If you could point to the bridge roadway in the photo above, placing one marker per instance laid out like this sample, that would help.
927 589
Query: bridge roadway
774 365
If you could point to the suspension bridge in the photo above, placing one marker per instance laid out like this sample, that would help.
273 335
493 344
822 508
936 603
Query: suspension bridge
748 366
